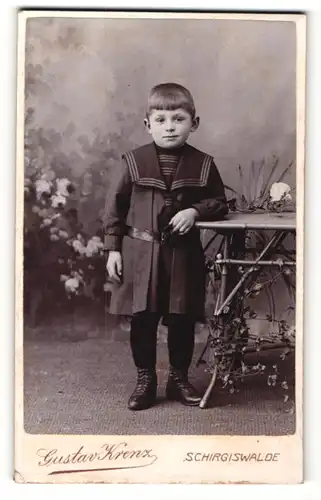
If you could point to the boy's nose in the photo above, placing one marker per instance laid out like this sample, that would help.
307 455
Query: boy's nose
170 126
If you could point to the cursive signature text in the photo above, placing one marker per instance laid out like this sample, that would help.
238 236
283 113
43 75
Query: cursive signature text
120 453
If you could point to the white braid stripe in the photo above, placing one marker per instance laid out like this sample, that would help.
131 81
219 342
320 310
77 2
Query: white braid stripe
152 183
133 170
201 182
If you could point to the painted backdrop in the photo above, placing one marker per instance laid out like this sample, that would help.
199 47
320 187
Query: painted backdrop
87 82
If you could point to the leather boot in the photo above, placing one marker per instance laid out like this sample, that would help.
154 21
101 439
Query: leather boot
144 395
179 389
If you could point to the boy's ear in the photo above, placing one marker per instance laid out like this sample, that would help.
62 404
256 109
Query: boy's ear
195 123
147 125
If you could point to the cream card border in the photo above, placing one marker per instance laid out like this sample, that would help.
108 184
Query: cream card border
166 459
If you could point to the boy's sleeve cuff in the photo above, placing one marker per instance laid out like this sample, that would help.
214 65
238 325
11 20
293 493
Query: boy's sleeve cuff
198 207
112 242
211 209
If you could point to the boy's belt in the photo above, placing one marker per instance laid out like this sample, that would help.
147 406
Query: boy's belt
132 232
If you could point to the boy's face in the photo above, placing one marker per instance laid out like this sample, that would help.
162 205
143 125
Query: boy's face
170 128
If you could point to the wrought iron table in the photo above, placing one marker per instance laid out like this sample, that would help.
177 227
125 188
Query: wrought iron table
236 225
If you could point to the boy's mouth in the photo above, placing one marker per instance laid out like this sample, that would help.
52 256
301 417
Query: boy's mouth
170 136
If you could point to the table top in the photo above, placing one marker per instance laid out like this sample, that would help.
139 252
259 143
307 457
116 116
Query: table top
265 220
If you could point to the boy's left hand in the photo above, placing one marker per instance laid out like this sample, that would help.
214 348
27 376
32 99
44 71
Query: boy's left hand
184 220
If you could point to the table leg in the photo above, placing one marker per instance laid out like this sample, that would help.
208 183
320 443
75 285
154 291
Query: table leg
221 297
209 389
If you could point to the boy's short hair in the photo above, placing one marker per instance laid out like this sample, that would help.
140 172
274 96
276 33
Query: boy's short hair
170 96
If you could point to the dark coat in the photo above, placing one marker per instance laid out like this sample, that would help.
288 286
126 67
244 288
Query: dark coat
135 198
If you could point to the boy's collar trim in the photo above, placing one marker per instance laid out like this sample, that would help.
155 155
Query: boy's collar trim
192 170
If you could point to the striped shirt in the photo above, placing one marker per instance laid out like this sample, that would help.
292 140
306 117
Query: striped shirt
168 161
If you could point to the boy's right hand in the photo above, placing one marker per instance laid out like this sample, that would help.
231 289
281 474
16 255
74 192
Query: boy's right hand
114 266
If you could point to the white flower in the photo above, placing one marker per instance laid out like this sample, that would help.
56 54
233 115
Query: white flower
36 209
280 190
42 186
257 367
46 222
57 199
78 247
44 213
72 284
62 185
90 249
256 287
271 381
93 246
63 234
244 367
48 175
76 274
63 277
54 237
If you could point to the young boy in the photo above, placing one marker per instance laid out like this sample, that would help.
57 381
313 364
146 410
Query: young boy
155 255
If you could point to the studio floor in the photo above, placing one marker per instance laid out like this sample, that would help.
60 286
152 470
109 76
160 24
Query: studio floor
82 388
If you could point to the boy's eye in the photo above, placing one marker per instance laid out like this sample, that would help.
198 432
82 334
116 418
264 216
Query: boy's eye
179 118
160 119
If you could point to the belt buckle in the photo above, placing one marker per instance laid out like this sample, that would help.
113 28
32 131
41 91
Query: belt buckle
165 234
163 237
149 235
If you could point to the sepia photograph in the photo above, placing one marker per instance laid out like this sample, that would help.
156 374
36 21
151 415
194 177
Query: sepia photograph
160 161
